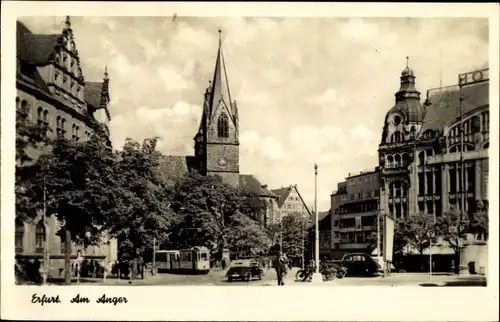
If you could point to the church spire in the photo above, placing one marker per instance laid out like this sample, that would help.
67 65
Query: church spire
220 83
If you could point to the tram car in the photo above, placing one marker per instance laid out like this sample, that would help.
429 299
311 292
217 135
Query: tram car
195 260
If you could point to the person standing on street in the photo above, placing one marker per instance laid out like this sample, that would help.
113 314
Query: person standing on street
279 264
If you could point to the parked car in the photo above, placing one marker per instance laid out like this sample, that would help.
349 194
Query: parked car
244 270
360 264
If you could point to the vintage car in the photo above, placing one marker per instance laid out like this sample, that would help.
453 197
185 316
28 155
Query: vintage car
360 264
245 270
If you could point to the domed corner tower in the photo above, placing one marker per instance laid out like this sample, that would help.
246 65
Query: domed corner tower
396 150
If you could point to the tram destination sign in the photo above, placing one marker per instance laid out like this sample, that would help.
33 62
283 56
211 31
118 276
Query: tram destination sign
477 76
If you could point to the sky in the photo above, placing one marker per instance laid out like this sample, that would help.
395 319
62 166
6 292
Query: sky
309 90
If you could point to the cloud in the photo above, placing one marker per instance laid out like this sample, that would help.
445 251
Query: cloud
267 147
173 79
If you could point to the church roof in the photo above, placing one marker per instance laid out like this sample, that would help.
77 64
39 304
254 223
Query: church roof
174 167
444 106
250 183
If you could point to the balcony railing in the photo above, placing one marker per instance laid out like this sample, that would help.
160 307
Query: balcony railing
455 157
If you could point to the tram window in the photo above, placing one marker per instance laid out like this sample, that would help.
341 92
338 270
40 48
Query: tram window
204 256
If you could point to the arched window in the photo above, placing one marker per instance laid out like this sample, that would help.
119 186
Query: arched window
19 235
397 161
39 116
222 126
17 102
39 236
390 161
396 137
405 159
421 158
486 145
453 149
46 118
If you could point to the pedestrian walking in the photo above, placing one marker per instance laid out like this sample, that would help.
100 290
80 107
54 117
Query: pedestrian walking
280 265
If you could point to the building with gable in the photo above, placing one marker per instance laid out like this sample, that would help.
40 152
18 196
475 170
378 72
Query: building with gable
50 84
216 142
288 202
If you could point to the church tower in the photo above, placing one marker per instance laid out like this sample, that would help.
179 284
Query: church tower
217 140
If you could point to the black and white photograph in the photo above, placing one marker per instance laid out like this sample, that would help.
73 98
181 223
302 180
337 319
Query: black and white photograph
242 151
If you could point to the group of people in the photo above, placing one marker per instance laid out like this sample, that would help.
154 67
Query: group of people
123 269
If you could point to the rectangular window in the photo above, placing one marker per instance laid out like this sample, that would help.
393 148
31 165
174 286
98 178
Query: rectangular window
453 180
430 184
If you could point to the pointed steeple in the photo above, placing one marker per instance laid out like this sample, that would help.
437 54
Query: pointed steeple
220 83
105 89
68 22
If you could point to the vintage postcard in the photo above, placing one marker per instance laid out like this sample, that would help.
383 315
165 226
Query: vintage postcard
252 161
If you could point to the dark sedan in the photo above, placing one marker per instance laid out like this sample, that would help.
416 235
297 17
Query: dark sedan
360 264
244 270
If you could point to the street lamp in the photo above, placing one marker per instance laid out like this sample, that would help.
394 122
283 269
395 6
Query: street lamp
316 276
46 254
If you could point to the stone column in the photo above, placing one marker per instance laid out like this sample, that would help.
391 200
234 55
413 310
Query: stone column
477 181
444 188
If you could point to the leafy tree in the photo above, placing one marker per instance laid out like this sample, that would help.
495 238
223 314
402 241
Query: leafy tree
76 183
418 232
399 241
214 214
246 235
451 227
291 233
142 201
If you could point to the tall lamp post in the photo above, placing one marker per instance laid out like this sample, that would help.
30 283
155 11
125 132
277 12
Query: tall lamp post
46 255
316 276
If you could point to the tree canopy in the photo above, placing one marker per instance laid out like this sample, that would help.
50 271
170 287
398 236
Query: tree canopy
142 199
216 215
75 182
291 233
417 231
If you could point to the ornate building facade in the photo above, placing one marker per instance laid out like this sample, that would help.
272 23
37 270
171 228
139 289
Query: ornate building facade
51 85
433 157
216 143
